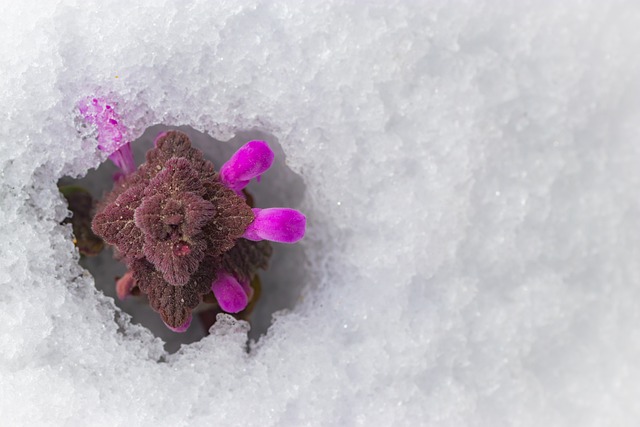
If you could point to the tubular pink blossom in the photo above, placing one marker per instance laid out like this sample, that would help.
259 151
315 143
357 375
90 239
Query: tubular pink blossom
250 161
230 294
111 131
123 158
282 225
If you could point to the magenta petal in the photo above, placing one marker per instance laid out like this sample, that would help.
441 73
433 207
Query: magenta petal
250 161
100 113
123 158
182 327
230 294
282 225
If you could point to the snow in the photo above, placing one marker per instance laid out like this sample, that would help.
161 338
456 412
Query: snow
468 171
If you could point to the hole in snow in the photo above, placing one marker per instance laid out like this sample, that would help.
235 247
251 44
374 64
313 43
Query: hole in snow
279 187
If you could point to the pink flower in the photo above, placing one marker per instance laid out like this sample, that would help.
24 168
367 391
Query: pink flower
111 131
282 225
232 296
250 161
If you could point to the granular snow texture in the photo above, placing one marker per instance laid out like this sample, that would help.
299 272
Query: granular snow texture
471 185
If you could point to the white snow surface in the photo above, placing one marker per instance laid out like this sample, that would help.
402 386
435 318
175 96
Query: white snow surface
471 185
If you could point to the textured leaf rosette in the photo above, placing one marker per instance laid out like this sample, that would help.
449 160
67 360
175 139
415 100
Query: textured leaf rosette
186 231
175 225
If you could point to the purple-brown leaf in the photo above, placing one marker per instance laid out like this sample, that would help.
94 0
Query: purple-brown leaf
174 303
115 224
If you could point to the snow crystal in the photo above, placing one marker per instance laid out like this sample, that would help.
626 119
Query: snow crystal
468 171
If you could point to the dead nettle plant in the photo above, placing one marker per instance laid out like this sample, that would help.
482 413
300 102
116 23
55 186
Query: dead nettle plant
188 234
